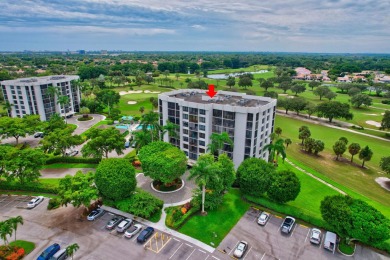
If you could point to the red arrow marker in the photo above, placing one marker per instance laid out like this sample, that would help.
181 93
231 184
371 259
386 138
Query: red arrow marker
211 91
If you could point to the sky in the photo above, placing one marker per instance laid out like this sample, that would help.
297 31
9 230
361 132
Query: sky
332 26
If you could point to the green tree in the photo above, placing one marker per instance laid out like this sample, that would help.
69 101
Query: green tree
344 139
59 141
304 132
334 109
7 106
361 99
353 149
287 142
309 144
255 176
115 179
231 81
278 131
319 146
330 95
285 187
5 231
108 97
385 124
55 122
171 129
284 86
14 222
63 101
142 109
298 104
141 138
275 148
385 164
313 84
204 171
245 82
71 249
19 127
267 84
78 190
339 148
150 122
217 142
227 173
162 161
310 109
353 91
321 91
298 88
103 141
365 154
25 164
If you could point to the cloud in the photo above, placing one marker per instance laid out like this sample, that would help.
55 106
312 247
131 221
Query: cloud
198 27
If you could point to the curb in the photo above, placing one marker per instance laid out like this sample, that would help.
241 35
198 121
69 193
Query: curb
168 192
354 250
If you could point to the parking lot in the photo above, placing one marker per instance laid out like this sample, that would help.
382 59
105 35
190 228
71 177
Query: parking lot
66 226
267 242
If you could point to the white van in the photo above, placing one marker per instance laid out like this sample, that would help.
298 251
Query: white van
60 255
330 241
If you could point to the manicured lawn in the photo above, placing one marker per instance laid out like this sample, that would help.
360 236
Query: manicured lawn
346 249
69 165
218 222
103 122
353 177
26 245
307 205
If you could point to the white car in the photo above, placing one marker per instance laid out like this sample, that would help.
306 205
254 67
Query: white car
34 202
132 231
240 249
315 236
126 223
263 218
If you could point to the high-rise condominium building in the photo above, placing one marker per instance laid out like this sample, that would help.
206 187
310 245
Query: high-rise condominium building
248 120
29 96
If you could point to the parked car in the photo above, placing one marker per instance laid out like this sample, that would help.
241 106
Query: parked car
145 234
124 225
60 255
95 214
287 225
315 236
113 222
134 144
34 202
39 134
132 231
72 153
240 249
49 252
263 218
330 241
127 144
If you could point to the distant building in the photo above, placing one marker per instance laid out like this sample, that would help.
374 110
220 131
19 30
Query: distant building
248 120
82 52
30 96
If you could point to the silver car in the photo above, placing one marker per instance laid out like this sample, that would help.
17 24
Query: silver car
34 202
113 222
263 218
132 231
240 249
124 225
315 236
95 214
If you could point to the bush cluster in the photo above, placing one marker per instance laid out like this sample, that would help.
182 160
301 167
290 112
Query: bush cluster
176 217
387 102
61 159
11 252
141 204
54 203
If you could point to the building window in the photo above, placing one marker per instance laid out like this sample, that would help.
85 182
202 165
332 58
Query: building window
185 116
202 143
202 127
217 113
202 119
202 135
185 131
201 150
202 111
185 138
185 109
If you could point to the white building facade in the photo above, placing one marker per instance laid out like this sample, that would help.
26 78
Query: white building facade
248 120
29 96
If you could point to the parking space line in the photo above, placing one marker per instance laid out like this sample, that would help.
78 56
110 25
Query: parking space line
278 216
262 256
307 235
202 251
292 233
215 257
176 251
234 247
176 239
247 253
207 257
188 245
190 254
303 226
135 237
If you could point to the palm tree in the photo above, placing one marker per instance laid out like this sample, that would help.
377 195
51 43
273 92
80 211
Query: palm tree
151 121
63 100
14 223
287 142
5 230
203 172
7 106
170 128
141 138
52 92
71 249
217 142
278 148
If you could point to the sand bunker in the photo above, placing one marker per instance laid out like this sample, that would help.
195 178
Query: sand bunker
153 92
374 123
384 182
131 102
283 94
369 114
130 92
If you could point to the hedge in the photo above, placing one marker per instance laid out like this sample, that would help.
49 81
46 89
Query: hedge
32 186
67 159
169 220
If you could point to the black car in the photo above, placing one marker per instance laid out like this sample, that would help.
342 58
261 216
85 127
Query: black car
145 234
39 134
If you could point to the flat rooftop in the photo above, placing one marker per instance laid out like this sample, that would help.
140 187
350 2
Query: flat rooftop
222 97
39 80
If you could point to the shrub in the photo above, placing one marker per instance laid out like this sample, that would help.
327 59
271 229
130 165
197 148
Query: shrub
387 102
30 186
72 160
141 204
53 203
183 210
175 218
11 252
84 118
110 122
136 163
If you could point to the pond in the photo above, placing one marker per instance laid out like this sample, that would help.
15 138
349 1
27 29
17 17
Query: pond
225 76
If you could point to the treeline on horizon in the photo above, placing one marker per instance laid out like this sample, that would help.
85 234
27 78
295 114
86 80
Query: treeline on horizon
181 62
